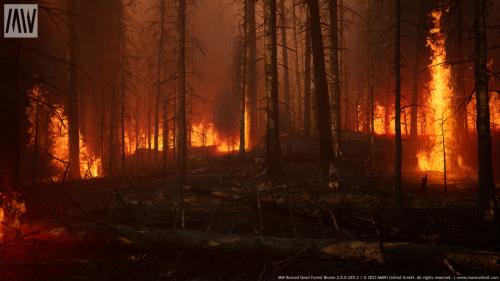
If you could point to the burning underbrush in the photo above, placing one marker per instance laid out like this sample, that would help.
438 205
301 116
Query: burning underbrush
11 211
48 133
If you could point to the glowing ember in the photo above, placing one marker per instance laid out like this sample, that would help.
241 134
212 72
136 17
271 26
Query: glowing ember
440 121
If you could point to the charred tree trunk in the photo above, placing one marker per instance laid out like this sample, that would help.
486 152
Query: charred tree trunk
273 161
286 71
307 79
12 119
461 74
73 120
334 64
486 205
416 80
181 90
123 78
159 77
243 89
165 139
252 71
414 95
296 66
321 88
397 101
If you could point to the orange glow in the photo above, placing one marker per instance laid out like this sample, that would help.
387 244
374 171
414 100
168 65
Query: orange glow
11 211
440 121
379 121
494 114
90 165
247 128
206 135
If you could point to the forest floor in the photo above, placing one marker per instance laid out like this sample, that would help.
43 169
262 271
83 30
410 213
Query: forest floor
228 196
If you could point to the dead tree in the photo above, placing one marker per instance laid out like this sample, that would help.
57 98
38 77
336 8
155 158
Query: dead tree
165 139
273 154
296 65
252 70
486 204
243 97
123 78
321 89
159 73
154 240
397 103
73 112
416 78
334 65
307 78
286 71
181 90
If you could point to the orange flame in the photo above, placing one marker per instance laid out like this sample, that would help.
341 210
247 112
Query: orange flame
90 165
206 135
11 211
441 126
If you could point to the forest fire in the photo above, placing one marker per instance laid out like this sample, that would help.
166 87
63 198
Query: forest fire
205 135
441 129
55 144
494 114
11 211
250 140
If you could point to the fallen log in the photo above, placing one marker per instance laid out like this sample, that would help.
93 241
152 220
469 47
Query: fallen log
160 240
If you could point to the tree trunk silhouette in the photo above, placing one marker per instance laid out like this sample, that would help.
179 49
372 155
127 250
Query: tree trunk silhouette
252 71
321 89
165 139
334 65
12 119
123 81
243 98
286 71
181 90
73 120
307 78
273 161
296 66
416 80
159 78
486 205
397 103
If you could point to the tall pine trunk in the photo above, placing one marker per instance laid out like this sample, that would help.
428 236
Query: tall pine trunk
159 78
334 65
416 81
296 66
273 161
243 98
307 79
73 120
123 78
321 88
286 71
397 100
181 90
252 71
486 205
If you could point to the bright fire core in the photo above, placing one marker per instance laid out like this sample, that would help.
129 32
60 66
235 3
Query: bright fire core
441 126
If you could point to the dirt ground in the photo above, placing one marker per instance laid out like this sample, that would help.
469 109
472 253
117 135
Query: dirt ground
228 196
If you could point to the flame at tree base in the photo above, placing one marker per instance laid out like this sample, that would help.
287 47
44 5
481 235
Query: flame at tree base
58 135
441 152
